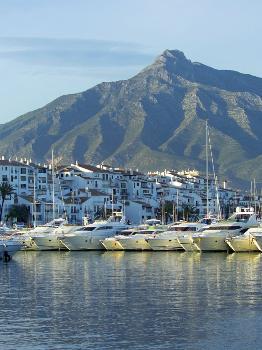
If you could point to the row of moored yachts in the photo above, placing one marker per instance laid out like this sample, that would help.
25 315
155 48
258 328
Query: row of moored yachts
241 232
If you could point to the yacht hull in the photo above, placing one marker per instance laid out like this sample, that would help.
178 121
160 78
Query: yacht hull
9 248
187 244
48 243
258 242
111 244
160 244
210 244
134 244
242 244
82 243
29 244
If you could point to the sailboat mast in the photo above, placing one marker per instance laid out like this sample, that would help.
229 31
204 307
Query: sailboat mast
254 190
207 188
112 201
53 185
34 206
177 205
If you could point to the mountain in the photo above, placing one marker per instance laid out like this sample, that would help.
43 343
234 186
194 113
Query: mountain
154 120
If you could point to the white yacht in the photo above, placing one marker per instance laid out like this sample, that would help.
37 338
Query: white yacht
112 243
245 242
9 245
257 237
185 237
186 240
213 238
89 237
28 238
52 240
138 239
167 240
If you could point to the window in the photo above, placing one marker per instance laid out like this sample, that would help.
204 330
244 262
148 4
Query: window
23 186
183 229
23 171
104 228
86 228
4 178
41 170
223 228
23 178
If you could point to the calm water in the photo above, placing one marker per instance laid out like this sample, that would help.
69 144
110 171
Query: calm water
124 300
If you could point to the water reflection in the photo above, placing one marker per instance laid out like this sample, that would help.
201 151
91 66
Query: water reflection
141 300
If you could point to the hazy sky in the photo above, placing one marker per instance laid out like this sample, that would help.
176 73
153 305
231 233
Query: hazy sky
53 47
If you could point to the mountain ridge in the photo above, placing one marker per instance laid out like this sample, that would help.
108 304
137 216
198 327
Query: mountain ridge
154 120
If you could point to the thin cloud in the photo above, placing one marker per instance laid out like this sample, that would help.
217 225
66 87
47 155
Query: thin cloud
73 52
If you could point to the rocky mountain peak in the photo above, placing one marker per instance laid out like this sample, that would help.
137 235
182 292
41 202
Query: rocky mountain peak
174 61
154 120
175 55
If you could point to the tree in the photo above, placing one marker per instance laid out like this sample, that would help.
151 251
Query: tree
6 189
20 212
189 212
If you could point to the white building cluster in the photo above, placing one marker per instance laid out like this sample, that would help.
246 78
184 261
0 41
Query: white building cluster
80 191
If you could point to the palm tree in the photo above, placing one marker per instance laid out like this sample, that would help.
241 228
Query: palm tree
5 190
19 211
189 211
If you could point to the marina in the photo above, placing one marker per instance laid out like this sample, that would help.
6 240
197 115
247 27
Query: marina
130 175
241 232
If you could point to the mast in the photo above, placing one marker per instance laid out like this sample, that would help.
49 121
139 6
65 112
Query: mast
163 211
207 188
34 206
173 209
254 190
177 204
53 185
112 201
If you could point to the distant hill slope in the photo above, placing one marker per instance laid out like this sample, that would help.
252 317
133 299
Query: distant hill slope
154 120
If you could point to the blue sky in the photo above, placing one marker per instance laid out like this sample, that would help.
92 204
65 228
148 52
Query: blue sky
53 47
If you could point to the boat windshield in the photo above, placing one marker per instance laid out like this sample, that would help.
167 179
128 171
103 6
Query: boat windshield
239 217
86 228
182 228
144 232
222 228
104 228
124 233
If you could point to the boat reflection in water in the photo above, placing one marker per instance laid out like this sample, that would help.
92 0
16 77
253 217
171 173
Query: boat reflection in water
130 300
